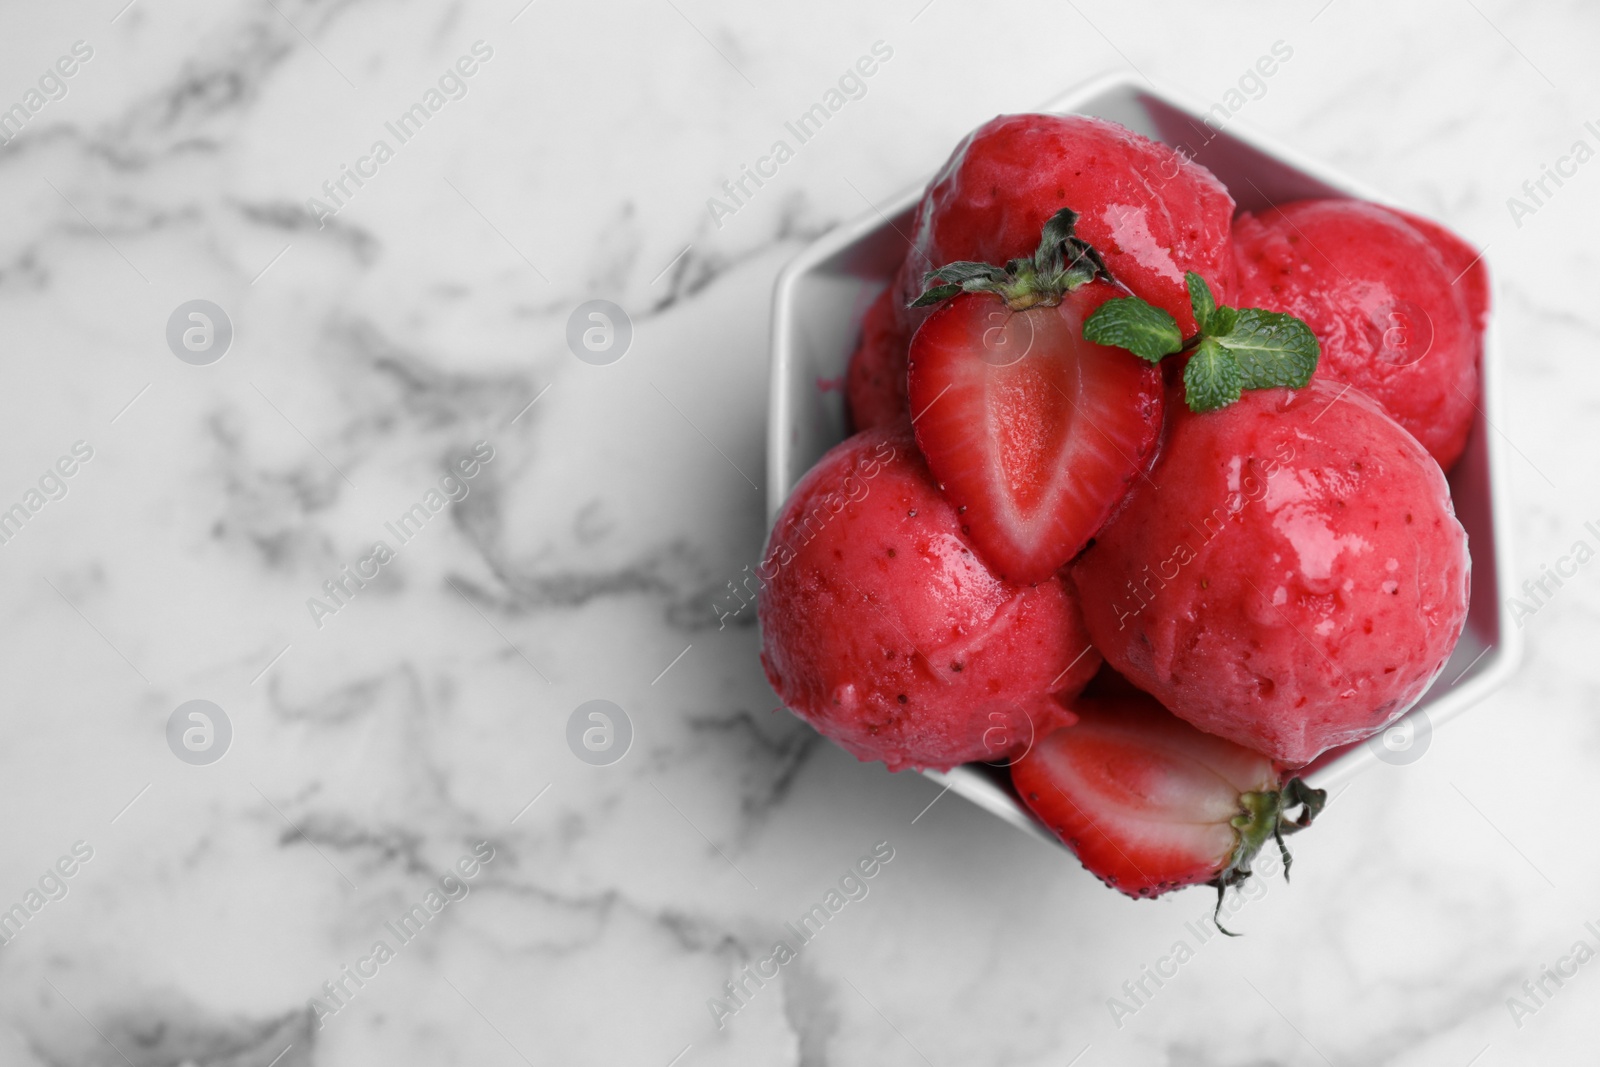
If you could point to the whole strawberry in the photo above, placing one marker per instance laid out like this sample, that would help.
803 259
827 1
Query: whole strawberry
1149 804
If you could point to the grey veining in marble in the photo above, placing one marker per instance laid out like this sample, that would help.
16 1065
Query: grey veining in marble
428 716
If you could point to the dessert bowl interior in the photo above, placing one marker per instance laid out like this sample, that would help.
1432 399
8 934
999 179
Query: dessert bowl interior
822 295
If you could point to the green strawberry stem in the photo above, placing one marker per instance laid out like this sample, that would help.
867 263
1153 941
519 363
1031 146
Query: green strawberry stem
1059 265
1266 816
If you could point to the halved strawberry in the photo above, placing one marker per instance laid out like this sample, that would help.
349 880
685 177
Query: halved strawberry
1034 433
1150 804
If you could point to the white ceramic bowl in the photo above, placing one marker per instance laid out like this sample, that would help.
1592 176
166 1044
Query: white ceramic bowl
822 295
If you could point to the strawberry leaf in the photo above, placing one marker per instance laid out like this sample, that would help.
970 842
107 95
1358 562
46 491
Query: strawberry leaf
1059 265
962 272
1141 328
1200 299
1271 349
1057 232
1212 379
934 295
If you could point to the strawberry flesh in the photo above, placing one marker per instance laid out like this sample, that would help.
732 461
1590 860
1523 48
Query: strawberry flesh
1034 433
1147 802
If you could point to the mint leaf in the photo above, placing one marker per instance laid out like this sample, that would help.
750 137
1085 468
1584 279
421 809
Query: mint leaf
1272 349
1233 349
1128 322
1200 299
1212 379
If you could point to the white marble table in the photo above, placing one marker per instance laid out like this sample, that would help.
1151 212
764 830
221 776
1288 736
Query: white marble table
375 746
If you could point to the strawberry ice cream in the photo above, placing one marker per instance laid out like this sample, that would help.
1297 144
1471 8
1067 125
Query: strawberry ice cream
875 386
1395 316
882 629
1296 581
1151 213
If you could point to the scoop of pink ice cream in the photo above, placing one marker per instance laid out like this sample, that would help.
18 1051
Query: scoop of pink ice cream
1396 305
882 629
1150 211
1291 578
875 383
1463 262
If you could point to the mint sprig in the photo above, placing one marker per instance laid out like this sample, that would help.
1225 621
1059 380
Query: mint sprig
1235 348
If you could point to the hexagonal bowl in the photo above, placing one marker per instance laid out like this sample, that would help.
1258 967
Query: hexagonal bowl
821 296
